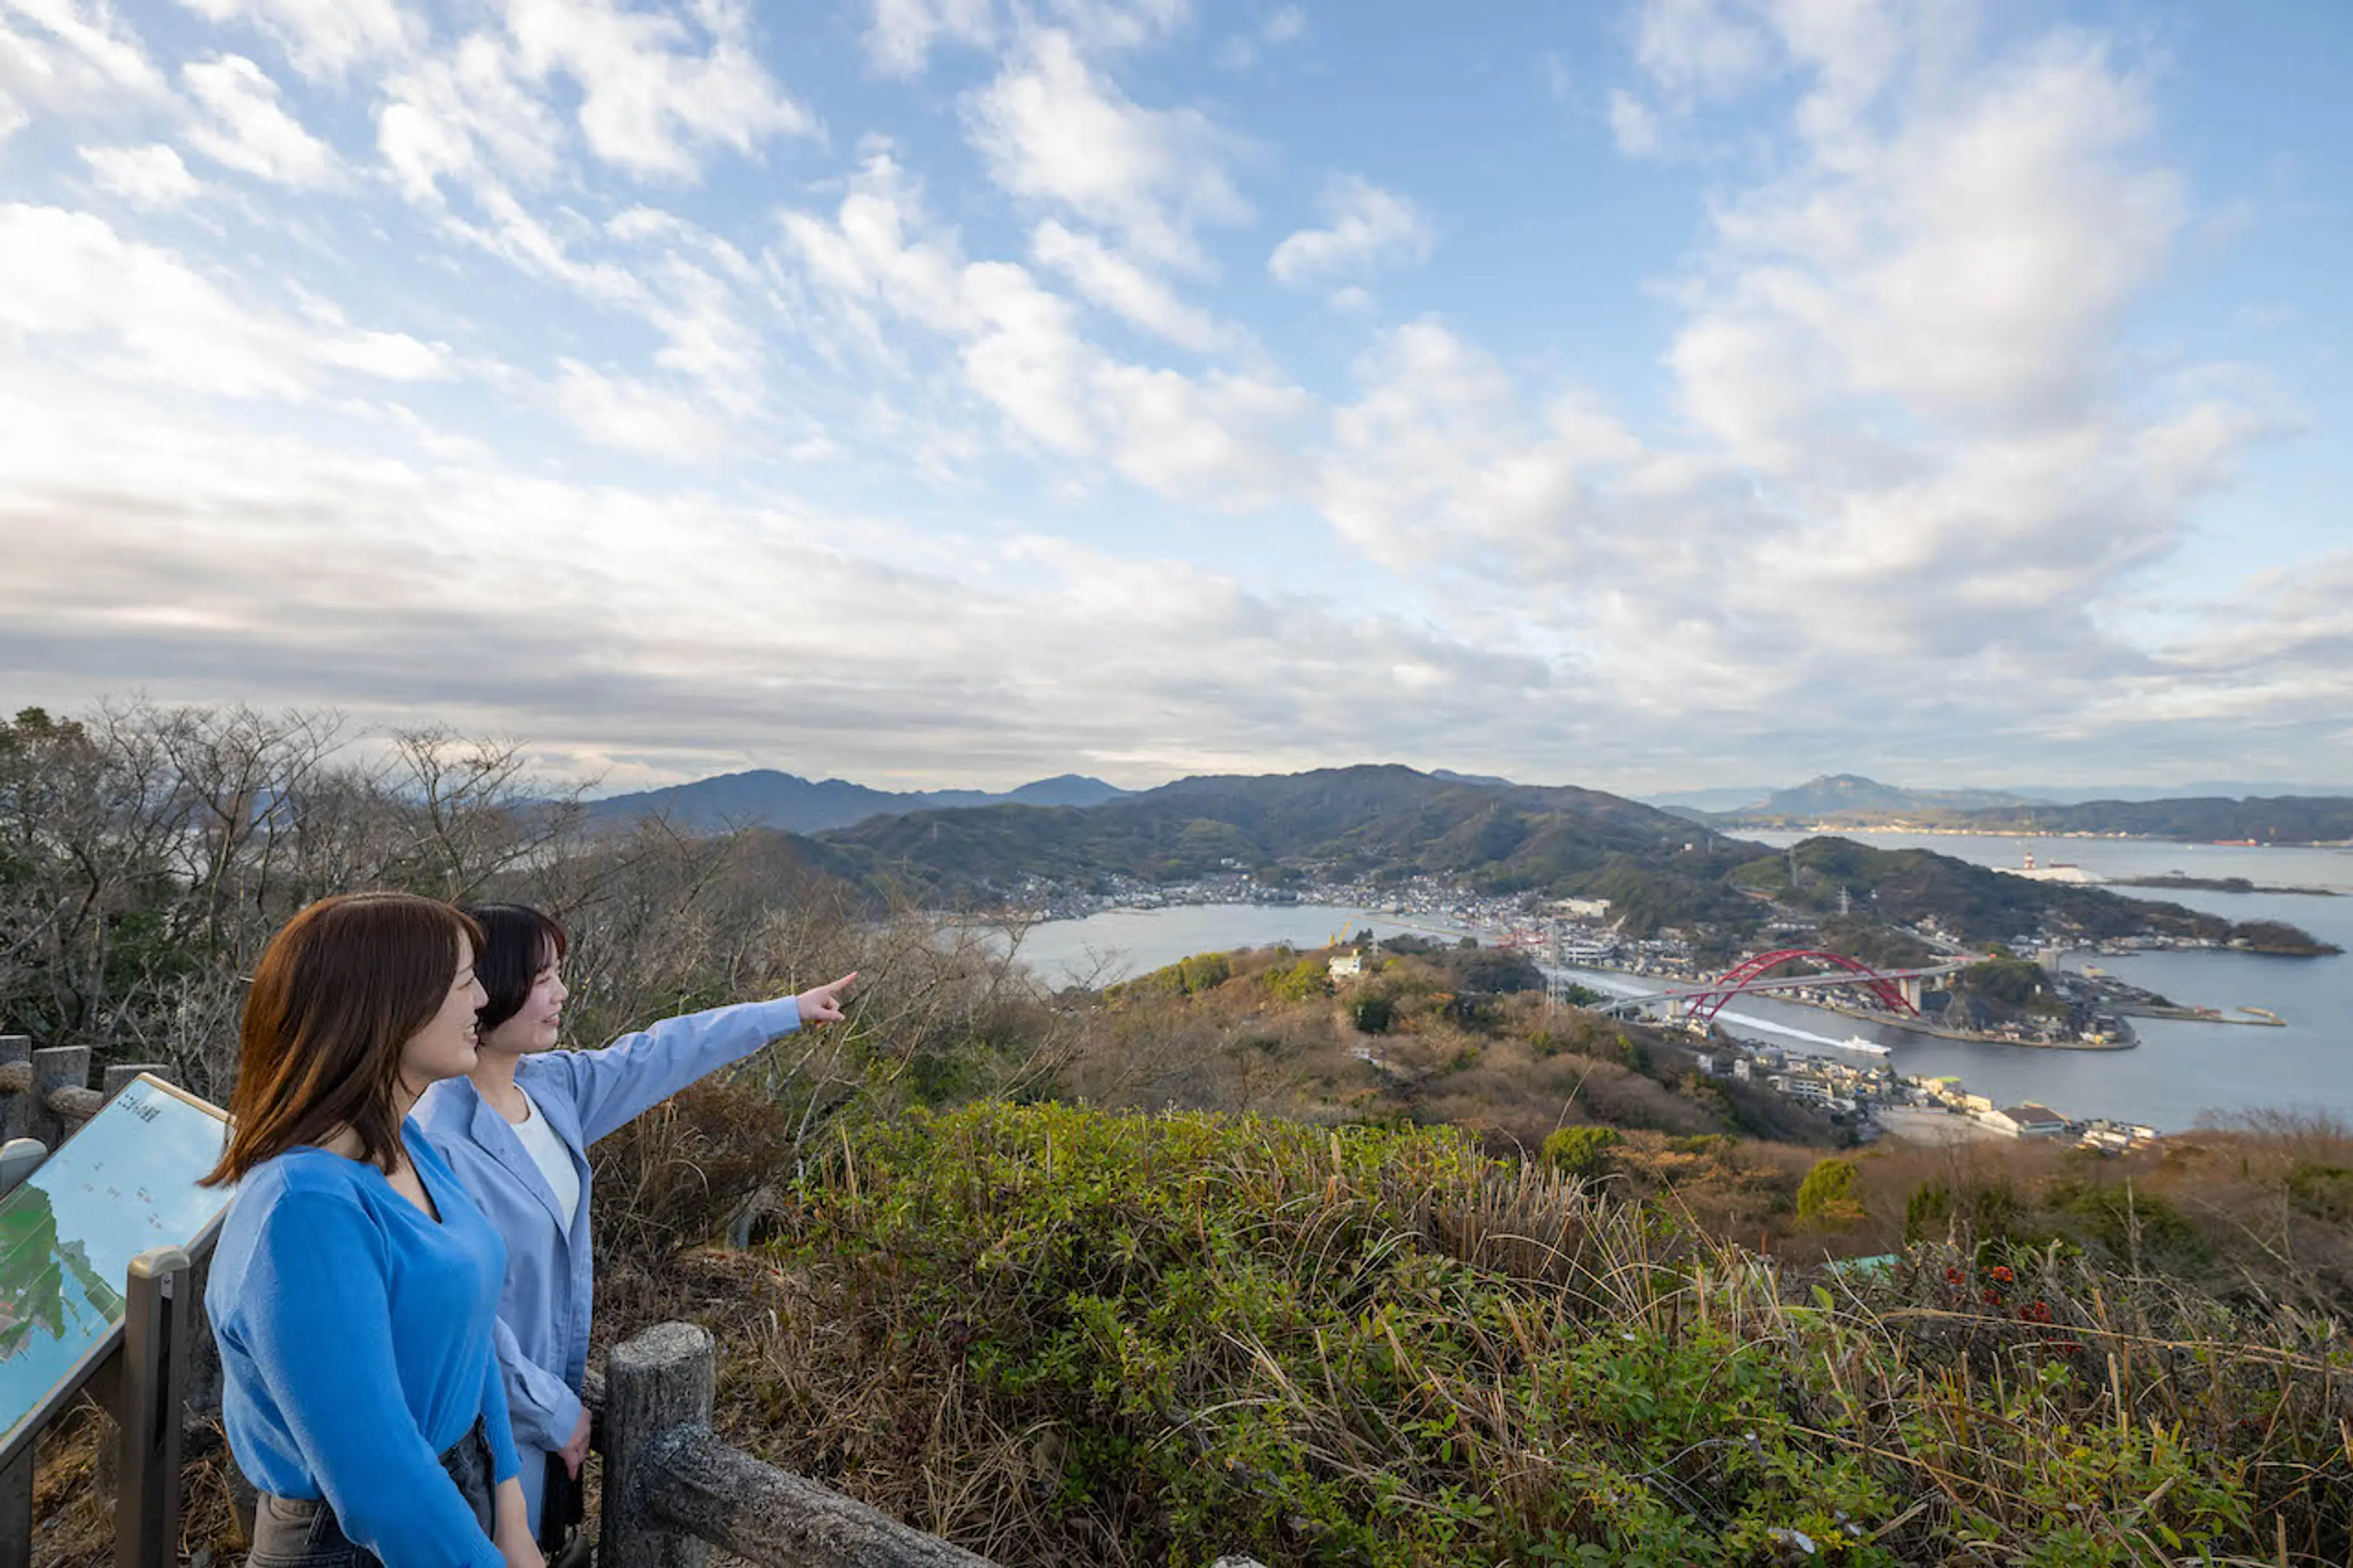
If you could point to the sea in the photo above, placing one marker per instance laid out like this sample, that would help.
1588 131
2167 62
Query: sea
2181 1073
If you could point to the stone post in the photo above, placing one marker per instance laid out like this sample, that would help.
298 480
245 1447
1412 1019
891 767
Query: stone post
15 1087
56 1068
122 1074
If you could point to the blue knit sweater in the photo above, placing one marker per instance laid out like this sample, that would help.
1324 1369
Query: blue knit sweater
355 1333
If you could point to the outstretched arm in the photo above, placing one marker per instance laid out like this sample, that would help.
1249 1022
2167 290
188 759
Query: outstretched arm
613 1086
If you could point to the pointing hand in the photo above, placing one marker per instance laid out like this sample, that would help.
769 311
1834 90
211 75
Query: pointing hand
822 1004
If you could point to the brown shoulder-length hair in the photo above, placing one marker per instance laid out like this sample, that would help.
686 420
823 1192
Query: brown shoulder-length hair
340 989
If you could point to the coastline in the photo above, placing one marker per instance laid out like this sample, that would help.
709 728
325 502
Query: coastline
1831 829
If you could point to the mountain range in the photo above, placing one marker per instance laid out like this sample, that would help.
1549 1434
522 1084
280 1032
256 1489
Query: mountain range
766 798
1383 821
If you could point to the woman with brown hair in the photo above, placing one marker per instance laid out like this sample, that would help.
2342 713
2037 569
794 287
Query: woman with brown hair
355 1287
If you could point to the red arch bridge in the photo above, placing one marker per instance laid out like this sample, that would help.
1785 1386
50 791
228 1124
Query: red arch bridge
1898 989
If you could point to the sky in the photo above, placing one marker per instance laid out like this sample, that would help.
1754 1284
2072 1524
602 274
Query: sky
929 392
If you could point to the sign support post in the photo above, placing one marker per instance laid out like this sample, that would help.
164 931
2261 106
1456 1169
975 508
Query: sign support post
155 1385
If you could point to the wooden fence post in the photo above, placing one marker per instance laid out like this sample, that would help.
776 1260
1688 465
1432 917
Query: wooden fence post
656 1383
56 1067
154 1386
16 1511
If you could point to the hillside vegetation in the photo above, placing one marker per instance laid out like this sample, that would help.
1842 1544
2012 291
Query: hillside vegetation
1976 904
1064 1336
1390 824
1374 822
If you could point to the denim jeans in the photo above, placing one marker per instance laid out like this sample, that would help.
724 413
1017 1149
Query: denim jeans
302 1532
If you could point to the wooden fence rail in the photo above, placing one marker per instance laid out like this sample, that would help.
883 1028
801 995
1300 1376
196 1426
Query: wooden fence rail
673 1490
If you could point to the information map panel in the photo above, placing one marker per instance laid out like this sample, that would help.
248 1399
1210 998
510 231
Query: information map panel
125 1183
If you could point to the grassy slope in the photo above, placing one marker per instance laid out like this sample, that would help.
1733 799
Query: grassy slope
1070 1337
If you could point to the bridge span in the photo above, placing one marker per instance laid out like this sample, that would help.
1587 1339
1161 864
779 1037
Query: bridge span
1898 988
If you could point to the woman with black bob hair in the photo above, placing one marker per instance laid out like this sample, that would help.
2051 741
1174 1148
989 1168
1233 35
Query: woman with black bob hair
354 1289
516 1129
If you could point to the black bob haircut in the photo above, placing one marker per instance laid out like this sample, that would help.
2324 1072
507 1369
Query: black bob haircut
519 942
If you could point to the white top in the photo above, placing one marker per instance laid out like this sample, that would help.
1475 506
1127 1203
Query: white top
554 1160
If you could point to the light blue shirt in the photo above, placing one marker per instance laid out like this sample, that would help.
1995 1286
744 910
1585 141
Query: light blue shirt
544 1310
356 1339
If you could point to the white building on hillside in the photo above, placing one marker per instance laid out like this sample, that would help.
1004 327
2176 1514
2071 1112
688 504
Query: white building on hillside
2027 1121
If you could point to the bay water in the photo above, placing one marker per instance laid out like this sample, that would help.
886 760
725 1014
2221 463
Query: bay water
2180 1072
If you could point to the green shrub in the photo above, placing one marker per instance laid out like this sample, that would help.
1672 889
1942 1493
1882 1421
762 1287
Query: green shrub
2324 1192
1205 971
1070 1337
1308 977
1827 1196
1581 1151
2133 1229
1373 1013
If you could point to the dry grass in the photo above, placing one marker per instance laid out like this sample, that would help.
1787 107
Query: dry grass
1062 1338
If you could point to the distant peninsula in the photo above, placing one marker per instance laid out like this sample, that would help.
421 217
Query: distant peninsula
1845 800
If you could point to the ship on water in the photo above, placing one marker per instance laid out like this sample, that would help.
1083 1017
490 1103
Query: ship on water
1868 1048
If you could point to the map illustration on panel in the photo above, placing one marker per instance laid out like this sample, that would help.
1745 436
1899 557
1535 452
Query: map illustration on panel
125 1183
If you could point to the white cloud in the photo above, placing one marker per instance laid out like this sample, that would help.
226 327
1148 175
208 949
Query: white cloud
150 176
324 37
1286 25
1915 459
1367 227
636 415
901 34
1116 284
703 296
1217 441
1439 462
1052 128
70 56
70 275
1634 125
247 129
1703 47
1226 441
1973 265
900 38
650 101
895 656
462 115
